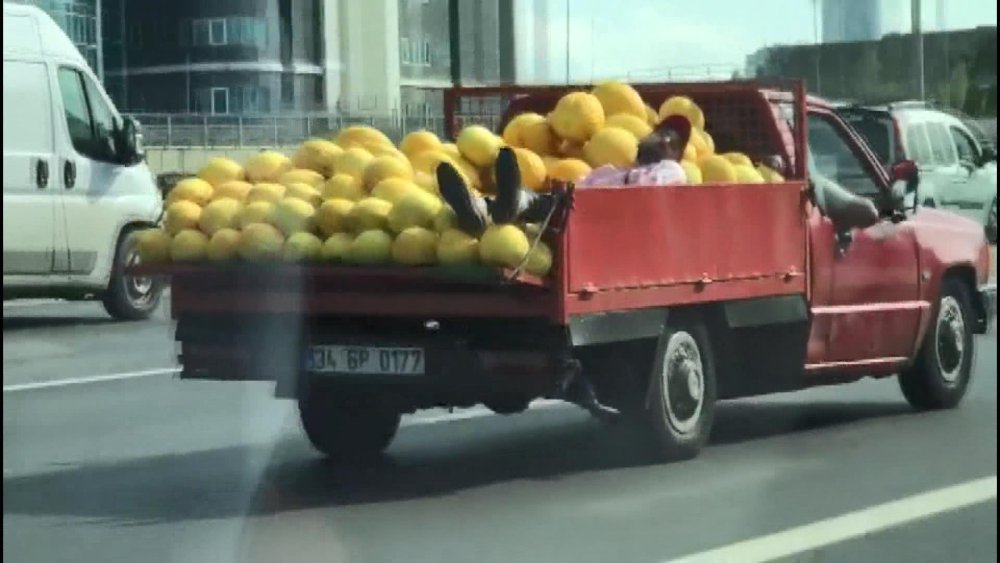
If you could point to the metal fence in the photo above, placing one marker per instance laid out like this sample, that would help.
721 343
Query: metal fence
196 130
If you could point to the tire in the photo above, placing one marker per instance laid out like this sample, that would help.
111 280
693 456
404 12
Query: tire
130 298
680 404
991 223
345 429
939 377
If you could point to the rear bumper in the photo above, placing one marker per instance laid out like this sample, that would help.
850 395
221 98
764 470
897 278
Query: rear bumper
987 308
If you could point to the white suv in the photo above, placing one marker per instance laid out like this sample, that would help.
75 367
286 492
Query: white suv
958 163
75 184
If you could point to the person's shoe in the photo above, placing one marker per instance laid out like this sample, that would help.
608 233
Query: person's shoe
470 212
506 206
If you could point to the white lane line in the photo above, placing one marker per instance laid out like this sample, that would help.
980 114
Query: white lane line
88 379
30 303
866 521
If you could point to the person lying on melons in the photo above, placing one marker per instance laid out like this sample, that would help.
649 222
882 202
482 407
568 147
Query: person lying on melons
657 164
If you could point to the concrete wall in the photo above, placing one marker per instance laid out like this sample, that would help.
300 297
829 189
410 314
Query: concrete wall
189 160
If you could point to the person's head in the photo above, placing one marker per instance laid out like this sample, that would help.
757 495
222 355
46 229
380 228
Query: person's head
666 142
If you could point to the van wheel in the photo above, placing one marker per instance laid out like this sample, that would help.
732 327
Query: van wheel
939 377
680 406
345 429
130 298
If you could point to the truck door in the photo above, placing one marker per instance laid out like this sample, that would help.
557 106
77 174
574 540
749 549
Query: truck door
868 310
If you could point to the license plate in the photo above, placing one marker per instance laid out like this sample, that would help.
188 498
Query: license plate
365 360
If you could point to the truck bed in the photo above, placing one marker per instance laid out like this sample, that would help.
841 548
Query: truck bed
617 249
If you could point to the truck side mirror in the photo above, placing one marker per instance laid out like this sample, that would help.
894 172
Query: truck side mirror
989 155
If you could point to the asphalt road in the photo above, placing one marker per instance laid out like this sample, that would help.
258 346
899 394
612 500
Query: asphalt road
154 469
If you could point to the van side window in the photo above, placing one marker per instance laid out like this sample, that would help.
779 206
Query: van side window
942 147
917 146
967 150
88 118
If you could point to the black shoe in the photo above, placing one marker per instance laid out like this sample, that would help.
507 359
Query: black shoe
471 215
506 206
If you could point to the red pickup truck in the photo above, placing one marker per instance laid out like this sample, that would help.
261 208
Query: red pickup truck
665 299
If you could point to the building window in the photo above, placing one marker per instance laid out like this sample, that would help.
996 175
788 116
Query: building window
220 101
246 31
209 32
404 51
287 90
426 52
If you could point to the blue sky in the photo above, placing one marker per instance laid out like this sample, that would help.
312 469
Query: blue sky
636 39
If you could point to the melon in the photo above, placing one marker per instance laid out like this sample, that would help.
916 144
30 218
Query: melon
260 242
336 247
302 176
234 189
652 117
503 245
539 260
223 245
691 172
353 162
611 145
478 145
181 215
318 155
255 212
362 136
634 125
769 174
717 170
343 186
415 246
617 97
302 247
293 215
331 217
427 182
569 170
419 141
267 166
532 169
153 246
394 189
266 192
685 106
219 170
747 174
383 167
369 214
577 116
445 219
416 209
738 159
195 190
188 245
370 247
305 192
457 247
220 214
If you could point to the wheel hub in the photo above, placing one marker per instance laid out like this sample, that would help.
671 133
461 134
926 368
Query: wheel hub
950 339
683 382
137 288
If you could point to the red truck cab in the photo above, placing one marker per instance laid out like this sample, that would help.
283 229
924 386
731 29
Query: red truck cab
665 299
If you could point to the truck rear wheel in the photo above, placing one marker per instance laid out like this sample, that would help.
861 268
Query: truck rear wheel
939 377
680 405
346 429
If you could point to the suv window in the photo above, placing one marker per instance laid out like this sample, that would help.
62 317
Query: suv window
88 118
967 150
942 148
831 157
917 146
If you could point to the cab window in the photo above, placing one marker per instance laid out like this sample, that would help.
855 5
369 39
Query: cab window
831 157
917 145
942 148
89 120
966 147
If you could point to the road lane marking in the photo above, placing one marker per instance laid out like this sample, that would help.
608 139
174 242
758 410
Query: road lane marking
867 521
88 379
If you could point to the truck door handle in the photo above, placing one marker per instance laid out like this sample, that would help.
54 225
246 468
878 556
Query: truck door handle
69 174
41 174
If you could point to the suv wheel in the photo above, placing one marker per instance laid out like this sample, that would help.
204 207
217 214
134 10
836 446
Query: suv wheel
130 297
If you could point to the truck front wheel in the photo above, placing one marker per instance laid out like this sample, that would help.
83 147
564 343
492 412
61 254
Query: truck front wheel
343 428
680 406
939 377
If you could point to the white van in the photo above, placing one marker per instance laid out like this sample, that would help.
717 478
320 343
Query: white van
76 187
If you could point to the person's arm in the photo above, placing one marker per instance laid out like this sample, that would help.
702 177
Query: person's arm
663 173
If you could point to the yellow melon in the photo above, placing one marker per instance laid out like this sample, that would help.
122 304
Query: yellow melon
394 189
302 176
611 145
195 190
302 247
223 245
652 118
369 214
532 169
427 182
415 246
416 209
362 136
445 219
188 246
353 162
577 116
255 212
569 149
293 215
260 242
418 142
267 166
531 131
370 247
457 247
383 167
690 153
343 186
234 189
331 217
634 125
683 105
318 155
717 170
691 172
153 246
738 159
747 174
503 245
478 145
336 247
618 97
219 170
220 214
451 149
181 215
569 170
539 260
305 192
769 174
266 192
